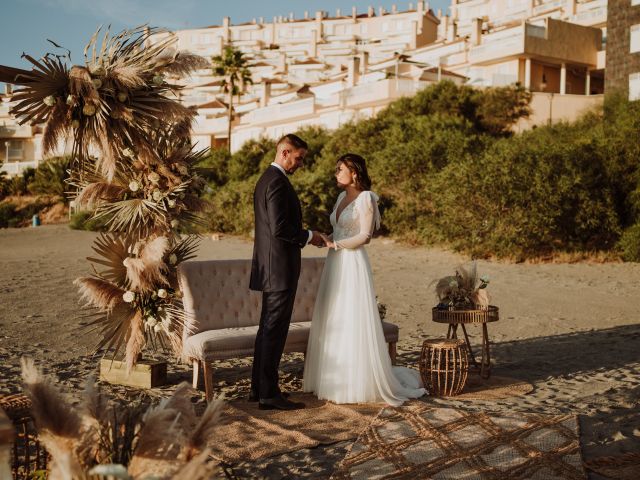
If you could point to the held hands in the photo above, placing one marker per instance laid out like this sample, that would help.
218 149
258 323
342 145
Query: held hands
328 242
321 240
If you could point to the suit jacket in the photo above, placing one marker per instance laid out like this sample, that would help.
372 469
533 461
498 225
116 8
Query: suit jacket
279 236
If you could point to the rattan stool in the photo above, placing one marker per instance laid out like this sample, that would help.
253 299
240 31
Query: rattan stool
28 456
443 366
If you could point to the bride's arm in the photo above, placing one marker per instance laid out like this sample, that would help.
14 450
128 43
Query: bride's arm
366 216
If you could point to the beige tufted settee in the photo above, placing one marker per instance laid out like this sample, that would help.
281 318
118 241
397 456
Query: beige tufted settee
223 314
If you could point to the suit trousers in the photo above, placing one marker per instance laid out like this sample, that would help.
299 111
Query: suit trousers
275 318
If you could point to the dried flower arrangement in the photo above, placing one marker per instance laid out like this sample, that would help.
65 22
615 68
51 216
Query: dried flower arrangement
464 290
98 437
133 166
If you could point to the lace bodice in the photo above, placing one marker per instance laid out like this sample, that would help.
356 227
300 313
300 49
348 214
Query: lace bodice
357 221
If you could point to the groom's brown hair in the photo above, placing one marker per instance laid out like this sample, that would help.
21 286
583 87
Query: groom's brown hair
293 140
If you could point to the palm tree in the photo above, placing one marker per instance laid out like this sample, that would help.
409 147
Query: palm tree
233 67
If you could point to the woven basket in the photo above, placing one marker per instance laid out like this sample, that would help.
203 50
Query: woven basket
443 366
27 455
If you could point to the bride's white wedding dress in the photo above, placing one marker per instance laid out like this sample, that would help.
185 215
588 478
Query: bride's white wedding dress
347 358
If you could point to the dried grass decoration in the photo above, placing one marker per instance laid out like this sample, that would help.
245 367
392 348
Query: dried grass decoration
464 290
101 437
141 178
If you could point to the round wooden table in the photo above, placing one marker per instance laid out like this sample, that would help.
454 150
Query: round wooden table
461 318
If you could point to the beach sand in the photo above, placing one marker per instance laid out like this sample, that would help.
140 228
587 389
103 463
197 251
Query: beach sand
571 330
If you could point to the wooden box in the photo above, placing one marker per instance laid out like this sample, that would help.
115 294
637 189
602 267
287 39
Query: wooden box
146 373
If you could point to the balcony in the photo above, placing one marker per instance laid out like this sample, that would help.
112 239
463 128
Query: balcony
16 168
281 112
595 16
16 131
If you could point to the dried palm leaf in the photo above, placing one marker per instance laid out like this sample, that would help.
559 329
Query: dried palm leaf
113 249
56 128
114 327
134 215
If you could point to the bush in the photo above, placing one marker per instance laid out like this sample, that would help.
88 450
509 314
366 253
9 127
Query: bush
81 220
8 217
630 244
50 178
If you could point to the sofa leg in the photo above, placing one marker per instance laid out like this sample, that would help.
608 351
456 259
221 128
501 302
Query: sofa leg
196 373
392 352
208 380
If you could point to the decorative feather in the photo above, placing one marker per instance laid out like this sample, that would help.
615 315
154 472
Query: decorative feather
99 293
98 192
135 342
205 429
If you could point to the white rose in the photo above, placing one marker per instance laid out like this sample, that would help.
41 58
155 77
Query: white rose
173 259
97 83
129 296
157 195
172 203
174 223
75 123
151 322
162 293
153 177
134 186
49 101
157 328
122 97
453 284
88 110
71 100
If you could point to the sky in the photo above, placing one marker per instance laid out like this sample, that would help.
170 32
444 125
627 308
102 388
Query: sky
25 25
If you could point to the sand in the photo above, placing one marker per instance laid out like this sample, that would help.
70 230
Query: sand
572 330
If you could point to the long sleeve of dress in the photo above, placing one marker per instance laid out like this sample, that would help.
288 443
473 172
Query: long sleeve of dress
368 218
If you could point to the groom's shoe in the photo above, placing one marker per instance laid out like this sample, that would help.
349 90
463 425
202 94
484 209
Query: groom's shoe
279 403
253 396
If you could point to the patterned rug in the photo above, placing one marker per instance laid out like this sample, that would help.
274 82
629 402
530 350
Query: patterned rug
248 433
620 467
420 441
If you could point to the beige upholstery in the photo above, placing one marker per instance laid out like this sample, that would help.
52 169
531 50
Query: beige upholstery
223 314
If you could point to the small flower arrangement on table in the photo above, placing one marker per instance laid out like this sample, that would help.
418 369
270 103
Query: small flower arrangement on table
464 290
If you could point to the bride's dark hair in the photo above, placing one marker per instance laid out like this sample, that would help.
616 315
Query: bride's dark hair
356 164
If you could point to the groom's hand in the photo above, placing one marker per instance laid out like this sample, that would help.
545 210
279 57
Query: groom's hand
316 239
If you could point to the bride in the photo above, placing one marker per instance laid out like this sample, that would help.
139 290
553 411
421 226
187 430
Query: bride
347 360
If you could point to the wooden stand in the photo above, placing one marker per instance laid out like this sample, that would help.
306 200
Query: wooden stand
460 318
146 373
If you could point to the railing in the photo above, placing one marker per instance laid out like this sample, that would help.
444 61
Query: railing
16 131
545 7
535 31
497 48
588 16
281 112
16 168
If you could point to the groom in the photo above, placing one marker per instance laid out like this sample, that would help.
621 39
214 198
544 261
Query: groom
275 268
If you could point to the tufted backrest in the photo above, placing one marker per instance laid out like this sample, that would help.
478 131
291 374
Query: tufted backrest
216 294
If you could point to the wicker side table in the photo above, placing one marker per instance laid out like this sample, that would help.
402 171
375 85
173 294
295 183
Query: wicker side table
443 366
27 455
461 318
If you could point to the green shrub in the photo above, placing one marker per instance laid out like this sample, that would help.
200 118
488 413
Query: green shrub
82 220
630 244
8 217
50 178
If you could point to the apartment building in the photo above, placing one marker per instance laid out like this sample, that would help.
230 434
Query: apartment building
328 69
623 42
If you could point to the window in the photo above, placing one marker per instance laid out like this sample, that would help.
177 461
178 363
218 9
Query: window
634 86
15 150
635 38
